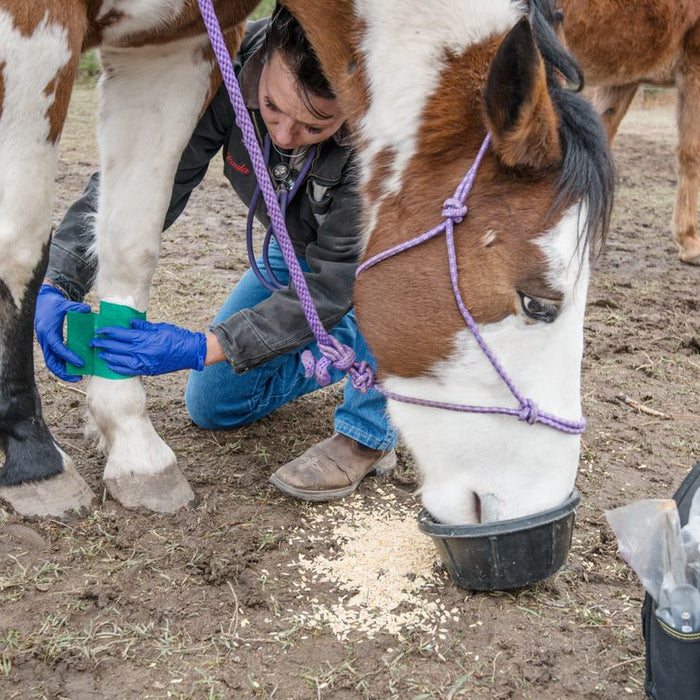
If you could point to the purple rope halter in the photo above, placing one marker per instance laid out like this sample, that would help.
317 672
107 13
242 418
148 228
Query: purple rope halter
333 352
453 211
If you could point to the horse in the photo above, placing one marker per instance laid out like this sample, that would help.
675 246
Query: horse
422 82
658 43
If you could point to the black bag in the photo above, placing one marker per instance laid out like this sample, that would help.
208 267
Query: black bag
672 658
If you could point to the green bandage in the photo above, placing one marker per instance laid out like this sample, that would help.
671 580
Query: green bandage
81 330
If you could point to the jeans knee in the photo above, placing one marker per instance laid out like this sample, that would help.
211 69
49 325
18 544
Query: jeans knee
201 411
208 406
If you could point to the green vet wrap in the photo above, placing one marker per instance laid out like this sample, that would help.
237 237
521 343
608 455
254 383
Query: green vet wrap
81 330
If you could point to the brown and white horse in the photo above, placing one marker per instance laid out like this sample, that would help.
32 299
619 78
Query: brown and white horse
621 45
421 82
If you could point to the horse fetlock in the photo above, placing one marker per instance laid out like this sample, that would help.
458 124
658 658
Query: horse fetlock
136 449
116 408
142 471
31 453
688 242
690 251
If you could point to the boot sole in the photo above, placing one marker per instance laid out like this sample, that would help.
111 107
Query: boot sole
384 466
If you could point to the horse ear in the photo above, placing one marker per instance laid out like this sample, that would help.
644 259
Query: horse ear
521 117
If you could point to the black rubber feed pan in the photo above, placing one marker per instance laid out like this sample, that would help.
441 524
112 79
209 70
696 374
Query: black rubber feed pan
504 554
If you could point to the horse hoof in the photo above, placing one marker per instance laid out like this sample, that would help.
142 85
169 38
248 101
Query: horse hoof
165 492
65 496
688 248
690 258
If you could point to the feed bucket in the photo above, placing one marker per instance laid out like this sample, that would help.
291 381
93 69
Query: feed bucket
507 553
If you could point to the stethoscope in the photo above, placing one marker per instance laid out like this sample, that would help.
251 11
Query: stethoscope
287 185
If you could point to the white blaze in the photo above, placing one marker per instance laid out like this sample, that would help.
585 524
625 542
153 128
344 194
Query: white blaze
403 49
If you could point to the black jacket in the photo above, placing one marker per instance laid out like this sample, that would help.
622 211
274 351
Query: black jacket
322 220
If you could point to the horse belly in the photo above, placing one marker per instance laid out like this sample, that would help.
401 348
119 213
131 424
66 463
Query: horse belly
642 48
121 19
135 23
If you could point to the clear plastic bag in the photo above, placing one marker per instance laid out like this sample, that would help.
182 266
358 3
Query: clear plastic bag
690 535
665 557
649 539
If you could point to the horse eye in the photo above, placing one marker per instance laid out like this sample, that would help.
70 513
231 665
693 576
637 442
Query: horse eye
537 309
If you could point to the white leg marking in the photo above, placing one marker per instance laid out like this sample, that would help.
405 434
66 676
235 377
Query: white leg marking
150 105
125 431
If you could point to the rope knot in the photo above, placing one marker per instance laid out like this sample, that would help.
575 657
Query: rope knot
528 411
341 356
317 368
362 377
337 355
454 209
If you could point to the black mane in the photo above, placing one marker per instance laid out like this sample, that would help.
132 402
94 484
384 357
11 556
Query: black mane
588 173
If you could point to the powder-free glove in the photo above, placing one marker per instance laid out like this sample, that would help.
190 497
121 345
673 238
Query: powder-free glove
51 308
150 348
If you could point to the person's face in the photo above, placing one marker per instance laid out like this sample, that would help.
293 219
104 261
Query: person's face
287 118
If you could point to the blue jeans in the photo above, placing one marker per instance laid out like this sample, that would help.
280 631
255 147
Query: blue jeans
217 398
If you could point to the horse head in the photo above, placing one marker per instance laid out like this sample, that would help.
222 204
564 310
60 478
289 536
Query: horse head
423 90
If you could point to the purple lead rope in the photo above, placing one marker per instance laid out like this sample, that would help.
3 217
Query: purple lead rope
333 352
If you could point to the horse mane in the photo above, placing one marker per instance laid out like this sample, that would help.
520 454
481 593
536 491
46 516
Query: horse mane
588 172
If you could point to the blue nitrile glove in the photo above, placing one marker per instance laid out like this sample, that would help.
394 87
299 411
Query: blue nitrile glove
51 308
150 348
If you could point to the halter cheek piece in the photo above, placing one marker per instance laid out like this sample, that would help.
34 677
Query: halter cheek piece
333 352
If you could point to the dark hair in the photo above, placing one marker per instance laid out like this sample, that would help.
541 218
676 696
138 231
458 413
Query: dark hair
588 172
284 34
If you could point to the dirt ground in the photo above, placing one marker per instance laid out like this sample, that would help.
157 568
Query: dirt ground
251 594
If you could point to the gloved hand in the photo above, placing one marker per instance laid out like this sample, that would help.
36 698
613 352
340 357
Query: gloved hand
150 348
51 308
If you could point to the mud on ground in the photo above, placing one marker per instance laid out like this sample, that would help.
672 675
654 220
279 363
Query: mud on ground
251 594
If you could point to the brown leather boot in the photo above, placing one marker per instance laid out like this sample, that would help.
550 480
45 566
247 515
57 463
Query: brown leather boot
331 469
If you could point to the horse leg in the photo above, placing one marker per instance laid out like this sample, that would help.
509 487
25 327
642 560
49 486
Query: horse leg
39 51
150 101
612 103
684 225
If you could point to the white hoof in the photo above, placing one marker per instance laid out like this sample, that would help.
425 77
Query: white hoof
165 492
